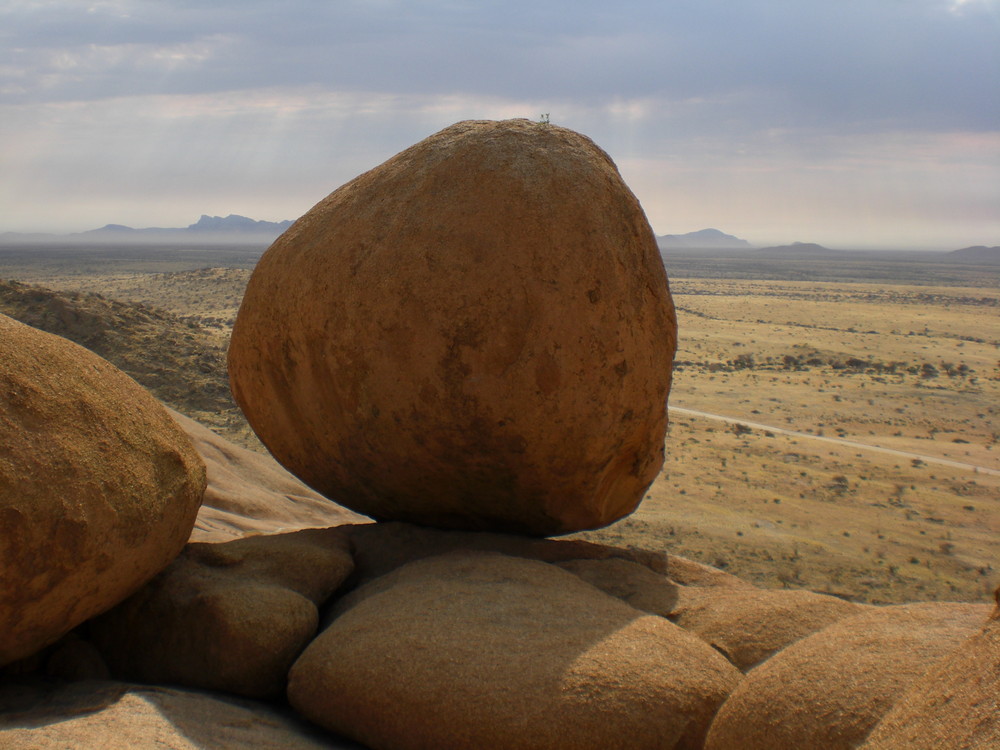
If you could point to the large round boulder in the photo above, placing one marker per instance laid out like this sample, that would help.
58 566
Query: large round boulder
99 487
477 333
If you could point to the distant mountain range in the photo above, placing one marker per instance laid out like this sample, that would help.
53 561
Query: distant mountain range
977 254
705 239
232 228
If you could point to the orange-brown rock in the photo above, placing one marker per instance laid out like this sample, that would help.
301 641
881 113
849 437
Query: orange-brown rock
249 493
829 690
231 616
746 624
477 333
955 706
98 487
478 650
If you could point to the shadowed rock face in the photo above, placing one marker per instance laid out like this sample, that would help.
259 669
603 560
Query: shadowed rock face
231 616
98 487
476 334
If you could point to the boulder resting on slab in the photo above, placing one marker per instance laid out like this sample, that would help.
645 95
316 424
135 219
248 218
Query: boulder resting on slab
477 333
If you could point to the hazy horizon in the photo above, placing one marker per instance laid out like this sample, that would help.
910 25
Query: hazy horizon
852 125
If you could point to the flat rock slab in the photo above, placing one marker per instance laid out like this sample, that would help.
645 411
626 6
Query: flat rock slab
250 493
96 715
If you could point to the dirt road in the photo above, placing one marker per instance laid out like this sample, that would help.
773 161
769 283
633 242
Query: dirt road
838 441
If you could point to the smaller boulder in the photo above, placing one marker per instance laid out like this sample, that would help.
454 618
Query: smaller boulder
98 487
231 616
829 690
955 706
746 624
479 650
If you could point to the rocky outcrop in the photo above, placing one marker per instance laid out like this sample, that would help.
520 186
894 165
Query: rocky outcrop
955 706
477 334
111 715
249 493
231 616
476 650
98 487
830 689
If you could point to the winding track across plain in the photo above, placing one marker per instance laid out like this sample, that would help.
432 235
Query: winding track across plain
839 441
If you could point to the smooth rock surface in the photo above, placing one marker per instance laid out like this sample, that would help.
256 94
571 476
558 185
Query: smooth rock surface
830 689
98 487
231 616
745 624
477 334
480 650
115 716
955 706
250 493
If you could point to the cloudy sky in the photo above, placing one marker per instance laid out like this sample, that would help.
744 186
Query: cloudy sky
853 123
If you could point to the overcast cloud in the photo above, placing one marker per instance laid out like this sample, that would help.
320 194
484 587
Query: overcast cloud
851 123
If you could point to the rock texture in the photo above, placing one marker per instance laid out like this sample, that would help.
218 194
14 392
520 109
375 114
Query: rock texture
745 624
249 493
231 616
477 650
98 487
476 334
830 689
955 706
111 715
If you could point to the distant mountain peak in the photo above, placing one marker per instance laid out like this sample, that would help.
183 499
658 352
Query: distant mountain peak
703 238
237 223
797 248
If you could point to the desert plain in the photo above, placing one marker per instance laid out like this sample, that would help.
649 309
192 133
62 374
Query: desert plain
834 420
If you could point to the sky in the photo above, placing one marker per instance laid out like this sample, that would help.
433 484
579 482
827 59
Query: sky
851 123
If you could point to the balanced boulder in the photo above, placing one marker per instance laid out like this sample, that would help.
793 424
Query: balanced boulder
99 487
829 690
478 650
476 334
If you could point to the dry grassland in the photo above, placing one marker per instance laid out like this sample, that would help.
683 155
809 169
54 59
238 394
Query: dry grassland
912 368
909 367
